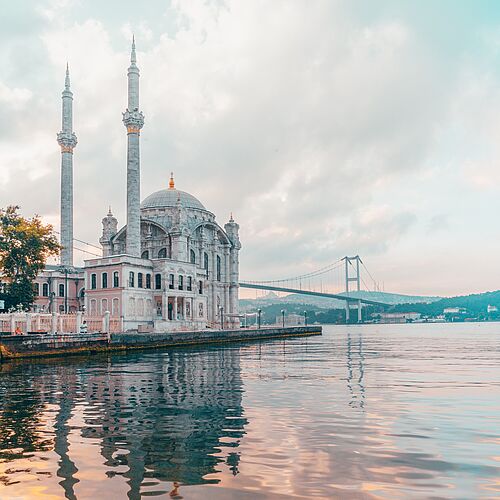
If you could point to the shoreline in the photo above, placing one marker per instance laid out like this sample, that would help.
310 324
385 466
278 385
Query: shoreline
36 346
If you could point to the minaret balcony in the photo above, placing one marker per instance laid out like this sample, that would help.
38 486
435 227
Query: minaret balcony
133 120
67 141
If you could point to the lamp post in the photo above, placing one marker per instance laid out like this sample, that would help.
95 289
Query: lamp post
283 317
259 312
305 318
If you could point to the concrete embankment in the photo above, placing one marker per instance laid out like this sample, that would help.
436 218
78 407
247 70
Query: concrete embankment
33 346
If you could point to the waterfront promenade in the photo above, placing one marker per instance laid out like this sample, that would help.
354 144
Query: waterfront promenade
41 345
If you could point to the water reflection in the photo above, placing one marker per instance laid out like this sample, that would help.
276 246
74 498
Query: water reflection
368 412
355 370
165 417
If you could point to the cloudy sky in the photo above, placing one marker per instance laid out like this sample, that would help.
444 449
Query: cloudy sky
326 127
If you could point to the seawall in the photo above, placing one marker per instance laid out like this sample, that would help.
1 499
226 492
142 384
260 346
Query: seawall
34 346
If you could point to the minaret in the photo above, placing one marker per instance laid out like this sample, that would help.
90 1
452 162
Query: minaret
67 140
232 230
133 119
109 229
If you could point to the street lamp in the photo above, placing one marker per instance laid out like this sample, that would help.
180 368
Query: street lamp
305 318
283 317
259 312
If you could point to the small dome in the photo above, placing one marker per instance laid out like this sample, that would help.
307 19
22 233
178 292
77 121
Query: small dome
168 198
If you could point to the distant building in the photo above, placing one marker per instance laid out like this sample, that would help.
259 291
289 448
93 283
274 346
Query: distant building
397 317
492 309
454 310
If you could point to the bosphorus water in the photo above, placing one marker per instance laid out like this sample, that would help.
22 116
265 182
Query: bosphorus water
373 411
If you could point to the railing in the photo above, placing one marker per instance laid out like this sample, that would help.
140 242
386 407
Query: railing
23 323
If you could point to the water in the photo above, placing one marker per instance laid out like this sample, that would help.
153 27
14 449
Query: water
386 411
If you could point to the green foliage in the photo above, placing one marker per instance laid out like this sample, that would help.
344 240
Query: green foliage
25 245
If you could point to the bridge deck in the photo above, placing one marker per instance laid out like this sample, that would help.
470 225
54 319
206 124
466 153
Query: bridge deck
346 298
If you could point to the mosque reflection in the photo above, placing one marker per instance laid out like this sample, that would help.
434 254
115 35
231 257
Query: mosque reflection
175 417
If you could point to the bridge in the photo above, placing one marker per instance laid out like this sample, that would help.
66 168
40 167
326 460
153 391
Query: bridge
332 281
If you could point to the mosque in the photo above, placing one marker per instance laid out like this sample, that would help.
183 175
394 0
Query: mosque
171 266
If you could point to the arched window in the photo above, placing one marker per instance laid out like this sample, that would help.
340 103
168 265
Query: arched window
218 268
131 279
145 254
200 287
116 279
45 289
148 280
104 305
61 290
116 311
158 281
93 281
181 282
162 254
139 280
104 278
189 284
171 281
192 254
36 289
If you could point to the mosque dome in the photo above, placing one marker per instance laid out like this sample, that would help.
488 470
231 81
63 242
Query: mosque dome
165 198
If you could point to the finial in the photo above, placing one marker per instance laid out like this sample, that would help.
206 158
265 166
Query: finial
110 214
66 82
231 217
133 58
171 184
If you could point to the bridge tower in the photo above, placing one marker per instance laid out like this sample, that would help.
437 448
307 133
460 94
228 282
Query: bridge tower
352 263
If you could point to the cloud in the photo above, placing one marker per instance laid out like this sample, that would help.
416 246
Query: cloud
303 119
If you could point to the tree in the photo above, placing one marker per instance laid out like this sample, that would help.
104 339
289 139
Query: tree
25 245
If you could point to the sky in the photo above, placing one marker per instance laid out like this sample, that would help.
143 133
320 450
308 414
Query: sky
327 128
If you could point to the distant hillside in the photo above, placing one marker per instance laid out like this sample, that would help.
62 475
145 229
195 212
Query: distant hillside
476 304
325 303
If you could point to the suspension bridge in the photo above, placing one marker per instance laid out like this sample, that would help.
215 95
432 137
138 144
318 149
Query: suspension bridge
342 280
336 281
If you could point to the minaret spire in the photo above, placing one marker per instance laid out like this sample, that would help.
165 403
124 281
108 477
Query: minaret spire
133 57
67 140
133 119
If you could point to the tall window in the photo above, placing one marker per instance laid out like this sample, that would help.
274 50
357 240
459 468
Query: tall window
139 280
36 289
162 254
104 278
218 268
145 254
61 290
192 254
93 281
131 279
45 289
158 281
181 282
189 284
116 279
171 281
148 280
205 262
200 287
